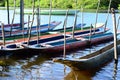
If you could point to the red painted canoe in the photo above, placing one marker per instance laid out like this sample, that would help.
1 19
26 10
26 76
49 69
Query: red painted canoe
71 44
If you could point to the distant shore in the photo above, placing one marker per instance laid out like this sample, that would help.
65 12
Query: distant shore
85 10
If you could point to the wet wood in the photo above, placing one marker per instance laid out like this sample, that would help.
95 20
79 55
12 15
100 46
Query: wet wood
115 34
65 24
8 14
3 34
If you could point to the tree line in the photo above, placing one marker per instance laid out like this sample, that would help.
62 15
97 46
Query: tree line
64 4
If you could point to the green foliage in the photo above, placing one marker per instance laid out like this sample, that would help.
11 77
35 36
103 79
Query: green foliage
115 3
27 3
119 7
88 4
2 2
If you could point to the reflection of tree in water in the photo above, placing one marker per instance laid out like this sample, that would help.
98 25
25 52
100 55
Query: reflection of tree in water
4 67
115 70
8 65
88 75
35 67
34 61
80 75
36 72
32 67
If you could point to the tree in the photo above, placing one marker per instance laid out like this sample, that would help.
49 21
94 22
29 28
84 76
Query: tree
88 4
2 2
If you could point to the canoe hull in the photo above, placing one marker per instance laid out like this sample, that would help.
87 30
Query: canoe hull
54 12
19 32
69 47
72 46
93 60
19 51
59 49
12 51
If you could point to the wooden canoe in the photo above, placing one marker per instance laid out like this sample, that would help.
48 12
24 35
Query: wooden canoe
92 60
18 39
84 32
58 12
15 48
12 48
19 47
13 25
78 26
19 32
71 44
53 12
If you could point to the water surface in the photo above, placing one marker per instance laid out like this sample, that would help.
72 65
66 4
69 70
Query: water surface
39 67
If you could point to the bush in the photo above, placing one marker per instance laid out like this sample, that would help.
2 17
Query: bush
119 6
2 3
89 4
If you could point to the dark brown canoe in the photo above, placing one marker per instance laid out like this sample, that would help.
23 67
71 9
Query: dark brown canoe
92 60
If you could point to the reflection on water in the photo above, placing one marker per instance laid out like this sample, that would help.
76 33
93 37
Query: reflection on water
35 67
115 70
41 67
80 75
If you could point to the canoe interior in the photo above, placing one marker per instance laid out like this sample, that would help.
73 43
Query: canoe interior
62 42
98 35
11 46
77 27
84 32
46 40
75 40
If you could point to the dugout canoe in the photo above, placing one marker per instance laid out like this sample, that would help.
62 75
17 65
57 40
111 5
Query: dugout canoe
71 43
43 29
24 46
93 60
53 12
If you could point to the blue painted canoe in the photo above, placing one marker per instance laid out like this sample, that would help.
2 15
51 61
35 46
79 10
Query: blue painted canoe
18 48
43 29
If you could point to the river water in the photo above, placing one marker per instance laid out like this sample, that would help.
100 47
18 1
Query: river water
39 67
